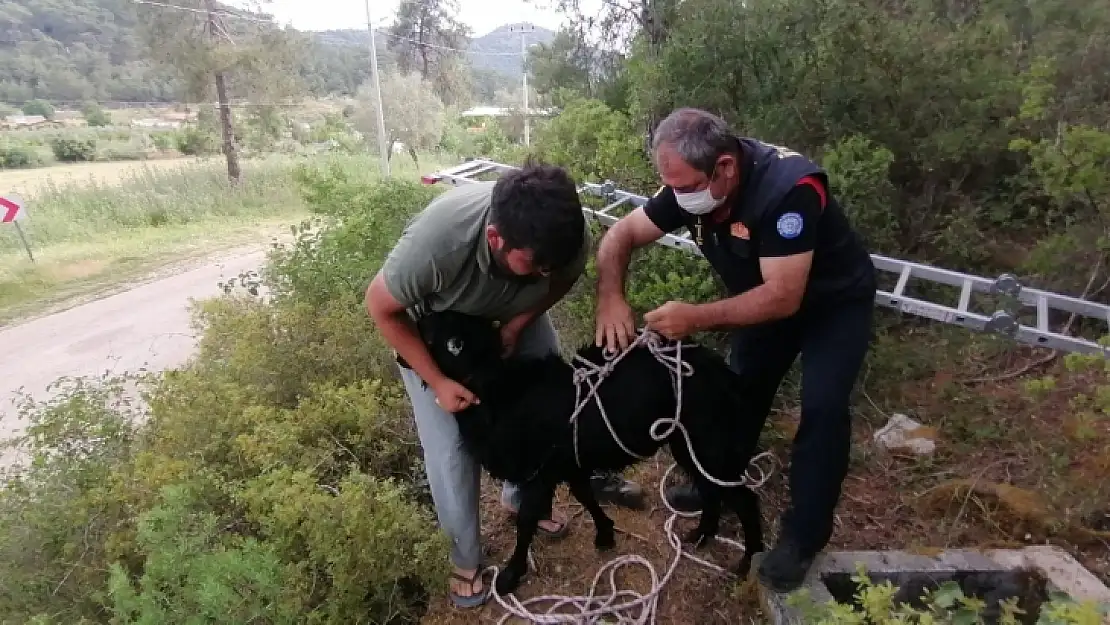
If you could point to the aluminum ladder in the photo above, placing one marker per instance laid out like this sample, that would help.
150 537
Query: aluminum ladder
1001 322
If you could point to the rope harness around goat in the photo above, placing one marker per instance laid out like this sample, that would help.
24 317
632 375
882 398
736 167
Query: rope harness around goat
628 606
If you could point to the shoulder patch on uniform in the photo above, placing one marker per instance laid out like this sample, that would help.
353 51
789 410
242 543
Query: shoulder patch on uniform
789 225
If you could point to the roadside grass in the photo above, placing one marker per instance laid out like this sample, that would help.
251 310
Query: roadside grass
96 230
29 182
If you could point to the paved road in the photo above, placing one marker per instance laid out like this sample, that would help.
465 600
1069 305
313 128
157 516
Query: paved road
147 326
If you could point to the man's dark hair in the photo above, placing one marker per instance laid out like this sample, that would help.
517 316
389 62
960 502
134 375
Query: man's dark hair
537 207
698 136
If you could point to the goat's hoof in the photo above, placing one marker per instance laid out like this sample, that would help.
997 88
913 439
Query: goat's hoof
744 566
605 540
699 538
507 581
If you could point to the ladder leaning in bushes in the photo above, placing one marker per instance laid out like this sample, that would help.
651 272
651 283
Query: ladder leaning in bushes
1002 322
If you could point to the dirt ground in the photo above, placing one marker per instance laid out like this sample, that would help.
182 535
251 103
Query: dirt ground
1009 471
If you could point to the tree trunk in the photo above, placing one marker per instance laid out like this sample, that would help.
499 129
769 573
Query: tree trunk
233 171
653 22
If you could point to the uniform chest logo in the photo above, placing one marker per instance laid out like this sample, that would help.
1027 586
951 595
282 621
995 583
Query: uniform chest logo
789 225
740 231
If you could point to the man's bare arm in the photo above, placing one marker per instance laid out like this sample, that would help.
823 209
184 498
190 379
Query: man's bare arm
399 331
780 295
615 251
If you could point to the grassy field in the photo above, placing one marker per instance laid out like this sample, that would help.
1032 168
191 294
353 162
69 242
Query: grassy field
30 182
93 228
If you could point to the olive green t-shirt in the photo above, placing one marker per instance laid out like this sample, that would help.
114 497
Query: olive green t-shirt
443 261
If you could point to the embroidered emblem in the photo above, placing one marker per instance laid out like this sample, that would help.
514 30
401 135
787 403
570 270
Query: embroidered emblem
740 231
789 225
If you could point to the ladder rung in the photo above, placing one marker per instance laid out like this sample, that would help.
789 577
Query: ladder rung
900 288
965 296
1042 313
610 207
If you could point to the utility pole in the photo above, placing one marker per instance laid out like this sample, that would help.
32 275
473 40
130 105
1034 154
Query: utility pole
214 31
383 149
523 29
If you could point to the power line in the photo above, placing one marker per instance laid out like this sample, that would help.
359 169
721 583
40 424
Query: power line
220 12
385 33
162 104
460 50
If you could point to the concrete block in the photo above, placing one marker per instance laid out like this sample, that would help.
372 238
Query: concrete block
1060 572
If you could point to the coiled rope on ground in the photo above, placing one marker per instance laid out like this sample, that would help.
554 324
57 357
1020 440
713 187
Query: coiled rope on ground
625 606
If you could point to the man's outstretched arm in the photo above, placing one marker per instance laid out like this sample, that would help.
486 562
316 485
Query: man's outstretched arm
615 325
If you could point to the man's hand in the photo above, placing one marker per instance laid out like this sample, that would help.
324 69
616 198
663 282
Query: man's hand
615 326
510 333
452 396
674 320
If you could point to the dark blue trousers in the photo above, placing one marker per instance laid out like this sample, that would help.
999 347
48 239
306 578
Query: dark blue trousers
833 342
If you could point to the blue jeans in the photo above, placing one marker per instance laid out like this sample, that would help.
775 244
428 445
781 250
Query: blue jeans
454 476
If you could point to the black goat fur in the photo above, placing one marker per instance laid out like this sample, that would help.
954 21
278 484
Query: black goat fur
520 430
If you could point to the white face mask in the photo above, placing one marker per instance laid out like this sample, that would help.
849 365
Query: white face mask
699 202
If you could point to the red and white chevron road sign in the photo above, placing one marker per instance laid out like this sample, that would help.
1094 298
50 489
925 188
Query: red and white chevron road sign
11 208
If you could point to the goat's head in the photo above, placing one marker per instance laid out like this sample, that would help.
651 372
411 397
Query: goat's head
464 347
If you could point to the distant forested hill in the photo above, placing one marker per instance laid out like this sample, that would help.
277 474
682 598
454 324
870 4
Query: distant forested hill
76 50
502 41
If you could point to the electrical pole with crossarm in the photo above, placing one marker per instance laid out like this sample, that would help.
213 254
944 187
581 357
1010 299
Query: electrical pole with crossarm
383 148
524 29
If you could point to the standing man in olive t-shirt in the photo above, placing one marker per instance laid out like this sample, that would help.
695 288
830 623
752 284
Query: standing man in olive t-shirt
506 251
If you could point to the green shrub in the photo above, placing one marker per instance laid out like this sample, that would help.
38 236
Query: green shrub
164 140
194 141
192 566
595 144
39 107
95 115
61 510
73 149
277 477
20 156
946 605
357 550
335 256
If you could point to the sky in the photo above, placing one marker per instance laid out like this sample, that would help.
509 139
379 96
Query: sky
480 15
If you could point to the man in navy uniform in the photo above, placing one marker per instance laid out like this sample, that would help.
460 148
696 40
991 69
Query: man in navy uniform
799 281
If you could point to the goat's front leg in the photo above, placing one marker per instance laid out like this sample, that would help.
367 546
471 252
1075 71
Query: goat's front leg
535 505
710 519
605 538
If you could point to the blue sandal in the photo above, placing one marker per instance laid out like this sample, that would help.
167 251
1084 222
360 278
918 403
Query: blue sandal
474 600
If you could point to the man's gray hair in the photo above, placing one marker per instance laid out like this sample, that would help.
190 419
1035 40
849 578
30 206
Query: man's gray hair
698 136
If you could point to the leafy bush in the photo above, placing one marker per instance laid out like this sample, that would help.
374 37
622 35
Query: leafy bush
277 477
336 255
859 175
164 140
595 144
946 605
73 149
20 156
95 115
195 141
39 107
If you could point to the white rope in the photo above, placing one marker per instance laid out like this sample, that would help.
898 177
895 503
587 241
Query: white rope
628 607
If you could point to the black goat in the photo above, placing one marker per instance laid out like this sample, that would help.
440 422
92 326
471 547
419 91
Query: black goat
521 430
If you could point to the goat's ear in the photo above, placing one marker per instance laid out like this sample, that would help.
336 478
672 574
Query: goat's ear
455 345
